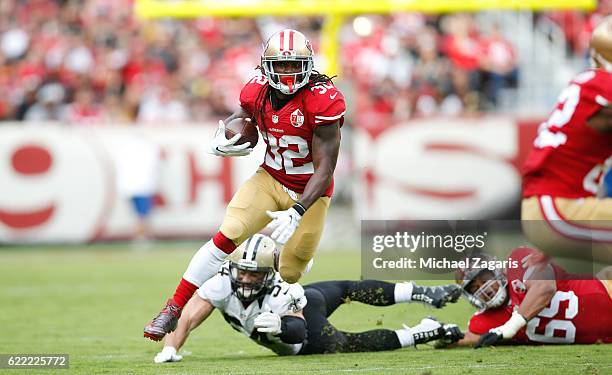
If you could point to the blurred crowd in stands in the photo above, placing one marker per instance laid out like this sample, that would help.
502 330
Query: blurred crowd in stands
93 61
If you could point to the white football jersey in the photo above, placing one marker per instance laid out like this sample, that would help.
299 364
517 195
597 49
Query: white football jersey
282 299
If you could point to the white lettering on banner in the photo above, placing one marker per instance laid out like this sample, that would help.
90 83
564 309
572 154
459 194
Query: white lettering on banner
430 169
72 194
437 169
54 185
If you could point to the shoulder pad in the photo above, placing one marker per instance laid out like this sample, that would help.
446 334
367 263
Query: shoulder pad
250 92
216 289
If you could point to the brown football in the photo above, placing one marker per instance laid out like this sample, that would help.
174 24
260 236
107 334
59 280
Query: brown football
246 127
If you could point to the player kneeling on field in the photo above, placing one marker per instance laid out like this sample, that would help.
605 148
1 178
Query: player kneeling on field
255 301
535 303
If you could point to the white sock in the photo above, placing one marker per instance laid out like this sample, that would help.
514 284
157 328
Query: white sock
403 292
205 264
405 337
425 331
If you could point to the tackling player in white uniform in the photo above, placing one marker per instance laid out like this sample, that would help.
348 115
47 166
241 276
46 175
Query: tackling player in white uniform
255 301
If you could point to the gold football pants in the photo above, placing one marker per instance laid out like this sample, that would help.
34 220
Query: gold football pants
571 228
246 215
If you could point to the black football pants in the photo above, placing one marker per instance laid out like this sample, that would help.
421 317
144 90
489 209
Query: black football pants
325 297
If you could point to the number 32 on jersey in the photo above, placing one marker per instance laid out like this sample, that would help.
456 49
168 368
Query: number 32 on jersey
281 156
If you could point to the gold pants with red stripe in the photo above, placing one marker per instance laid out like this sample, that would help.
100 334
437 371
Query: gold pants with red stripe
246 215
569 228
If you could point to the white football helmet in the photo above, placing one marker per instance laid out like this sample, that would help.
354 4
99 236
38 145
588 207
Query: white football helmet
492 293
251 267
287 46
601 45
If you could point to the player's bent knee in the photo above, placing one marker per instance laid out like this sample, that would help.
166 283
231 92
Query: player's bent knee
290 275
234 229
306 247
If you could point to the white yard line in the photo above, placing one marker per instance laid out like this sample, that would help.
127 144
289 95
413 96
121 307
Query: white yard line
415 368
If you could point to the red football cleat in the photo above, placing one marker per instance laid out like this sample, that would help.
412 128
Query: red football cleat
165 322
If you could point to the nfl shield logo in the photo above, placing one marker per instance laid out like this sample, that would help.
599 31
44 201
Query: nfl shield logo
297 118
275 119
518 286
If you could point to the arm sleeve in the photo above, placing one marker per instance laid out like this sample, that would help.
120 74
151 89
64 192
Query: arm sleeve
595 92
605 99
329 108
293 329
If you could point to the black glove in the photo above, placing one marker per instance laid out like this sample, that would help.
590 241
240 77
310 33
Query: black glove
452 334
489 339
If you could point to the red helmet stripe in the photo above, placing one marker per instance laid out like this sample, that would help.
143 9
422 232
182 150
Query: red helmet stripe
282 40
290 40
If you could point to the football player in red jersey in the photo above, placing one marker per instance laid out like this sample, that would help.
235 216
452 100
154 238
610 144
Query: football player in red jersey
299 113
535 304
566 208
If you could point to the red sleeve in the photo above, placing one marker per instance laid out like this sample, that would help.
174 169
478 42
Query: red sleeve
250 92
328 105
483 321
595 92
520 257
603 87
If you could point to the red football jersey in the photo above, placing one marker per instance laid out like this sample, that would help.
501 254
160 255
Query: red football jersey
568 156
580 312
288 131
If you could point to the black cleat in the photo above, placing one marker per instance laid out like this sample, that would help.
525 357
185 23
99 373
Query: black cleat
165 322
436 296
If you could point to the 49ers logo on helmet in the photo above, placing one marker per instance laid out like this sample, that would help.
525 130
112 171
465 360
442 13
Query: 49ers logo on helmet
297 118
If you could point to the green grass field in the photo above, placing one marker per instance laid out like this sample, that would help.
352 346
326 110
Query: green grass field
92 303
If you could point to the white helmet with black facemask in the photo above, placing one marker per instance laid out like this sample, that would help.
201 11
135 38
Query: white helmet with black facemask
251 267
492 291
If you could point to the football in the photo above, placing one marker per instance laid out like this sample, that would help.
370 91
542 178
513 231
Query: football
244 126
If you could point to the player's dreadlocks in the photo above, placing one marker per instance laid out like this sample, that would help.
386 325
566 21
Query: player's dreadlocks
315 79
